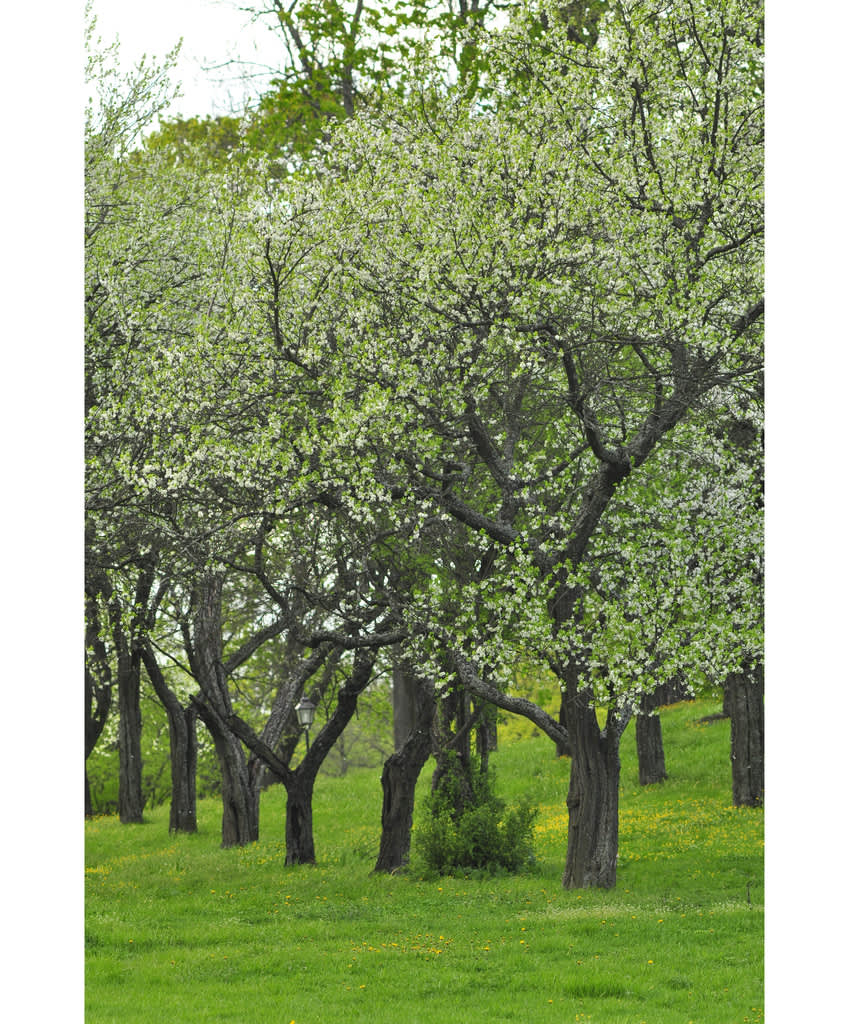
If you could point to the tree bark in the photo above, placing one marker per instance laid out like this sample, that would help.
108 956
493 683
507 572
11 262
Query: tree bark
184 759
563 747
404 688
744 700
593 798
650 755
182 734
400 775
299 782
130 798
452 749
89 813
300 844
592 843
239 795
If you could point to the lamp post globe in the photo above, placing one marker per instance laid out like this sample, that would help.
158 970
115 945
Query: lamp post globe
305 710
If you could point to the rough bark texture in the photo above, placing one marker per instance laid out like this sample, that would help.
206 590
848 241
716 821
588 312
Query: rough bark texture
130 798
184 751
240 800
592 843
182 734
744 701
98 677
486 733
300 845
563 748
650 756
404 688
400 774
239 795
97 705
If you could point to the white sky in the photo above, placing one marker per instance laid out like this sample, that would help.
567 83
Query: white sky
213 32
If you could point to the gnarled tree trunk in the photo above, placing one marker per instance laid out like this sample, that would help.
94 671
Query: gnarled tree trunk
744 702
592 843
239 795
183 741
300 846
400 775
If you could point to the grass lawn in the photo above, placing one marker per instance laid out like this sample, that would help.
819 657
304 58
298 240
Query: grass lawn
180 930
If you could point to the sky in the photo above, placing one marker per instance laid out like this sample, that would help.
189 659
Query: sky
214 32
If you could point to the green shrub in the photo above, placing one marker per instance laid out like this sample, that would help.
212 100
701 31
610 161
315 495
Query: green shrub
484 835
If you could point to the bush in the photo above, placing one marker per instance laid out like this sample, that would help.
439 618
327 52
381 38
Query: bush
485 835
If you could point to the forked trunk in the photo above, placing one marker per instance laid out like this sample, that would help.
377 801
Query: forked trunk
744 693
239 786
182 734
400 775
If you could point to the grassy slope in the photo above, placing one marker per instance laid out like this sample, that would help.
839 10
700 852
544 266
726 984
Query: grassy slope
179 930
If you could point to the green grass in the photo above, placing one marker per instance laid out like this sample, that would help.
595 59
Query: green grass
180 930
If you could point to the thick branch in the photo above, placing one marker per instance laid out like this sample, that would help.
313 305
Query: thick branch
517 705
240 656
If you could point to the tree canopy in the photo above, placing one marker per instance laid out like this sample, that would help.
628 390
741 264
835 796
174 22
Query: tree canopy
481 377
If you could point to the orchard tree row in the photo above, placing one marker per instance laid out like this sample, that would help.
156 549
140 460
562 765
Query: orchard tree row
458 369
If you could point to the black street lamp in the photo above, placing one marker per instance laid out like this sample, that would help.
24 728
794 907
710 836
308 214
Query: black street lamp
305 710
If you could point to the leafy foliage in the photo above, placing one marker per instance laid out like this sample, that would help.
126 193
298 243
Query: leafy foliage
484 835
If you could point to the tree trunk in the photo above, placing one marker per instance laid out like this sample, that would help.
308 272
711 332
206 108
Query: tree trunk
239 791
130 798
562 748
650 756
184 759
98 687
400 775
239 785
592 844
300 845
182 734
404 687
744 700
486 733
453 749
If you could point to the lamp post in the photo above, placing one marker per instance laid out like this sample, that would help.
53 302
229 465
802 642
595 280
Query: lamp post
305 710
